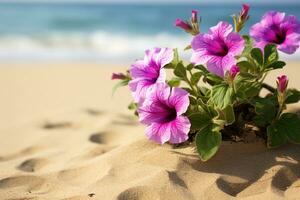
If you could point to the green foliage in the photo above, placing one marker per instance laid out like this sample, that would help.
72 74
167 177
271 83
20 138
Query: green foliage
270 54
287 128
174 82
222 95
227 115
180 70
208 141
265 110
119 84
292 96
196 78
257 55
246 86
199 120
175 60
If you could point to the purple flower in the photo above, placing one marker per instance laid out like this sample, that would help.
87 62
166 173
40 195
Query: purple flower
149 71
120 76
217 48
279 29
234 70
163 111
184 25
282 82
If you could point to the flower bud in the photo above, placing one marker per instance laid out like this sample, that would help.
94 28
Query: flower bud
234 70
120 76
184 25
282 82
194 18
244 13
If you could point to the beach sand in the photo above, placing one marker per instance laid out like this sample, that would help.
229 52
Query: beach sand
63 136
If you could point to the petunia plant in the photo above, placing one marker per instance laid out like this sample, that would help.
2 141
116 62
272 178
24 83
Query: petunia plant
218 94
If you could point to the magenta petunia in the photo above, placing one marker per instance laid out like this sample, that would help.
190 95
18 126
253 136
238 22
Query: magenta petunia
282 82
234 70
162 112
149 71
217 48
277 28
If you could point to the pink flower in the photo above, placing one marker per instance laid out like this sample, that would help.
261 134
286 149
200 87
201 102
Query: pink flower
244 13
120 76
149 71
234 70
217 48
184 25
282 82
279 29
163 111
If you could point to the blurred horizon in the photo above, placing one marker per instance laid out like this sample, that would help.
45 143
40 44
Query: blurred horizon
110 32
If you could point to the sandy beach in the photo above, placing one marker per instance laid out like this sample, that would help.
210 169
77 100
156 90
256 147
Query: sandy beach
63 136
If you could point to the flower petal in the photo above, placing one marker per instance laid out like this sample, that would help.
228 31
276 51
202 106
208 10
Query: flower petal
180 128
159 133
179 98
164 57
222 29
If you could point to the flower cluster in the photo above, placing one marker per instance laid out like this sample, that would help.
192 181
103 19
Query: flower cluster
218 94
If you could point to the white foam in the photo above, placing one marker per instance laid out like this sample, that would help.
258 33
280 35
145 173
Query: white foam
97 46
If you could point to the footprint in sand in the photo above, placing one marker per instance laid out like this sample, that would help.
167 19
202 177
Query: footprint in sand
28 151
93 112
232 185
57 125
30 182
33 165
104 137
284 178
140 193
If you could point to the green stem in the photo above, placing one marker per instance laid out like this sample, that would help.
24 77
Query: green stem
268 87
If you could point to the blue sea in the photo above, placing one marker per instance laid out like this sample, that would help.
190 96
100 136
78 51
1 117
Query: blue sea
106 32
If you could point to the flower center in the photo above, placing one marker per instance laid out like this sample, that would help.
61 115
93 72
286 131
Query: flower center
172 114
277 34
219 48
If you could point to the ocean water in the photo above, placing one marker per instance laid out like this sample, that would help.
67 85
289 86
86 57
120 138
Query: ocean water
104 32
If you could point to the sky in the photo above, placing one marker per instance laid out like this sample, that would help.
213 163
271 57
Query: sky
160 1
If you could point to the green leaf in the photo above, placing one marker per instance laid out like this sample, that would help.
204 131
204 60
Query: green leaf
118 85
248 45
201 68
175 60
180 71
196 77
276 65
222 95
289 124
265 110
287 128
132 106
213 79
292 96
245 66
174 82
199 120
257 55
270 54
190 67
208 141
246 87
276 138
227 115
